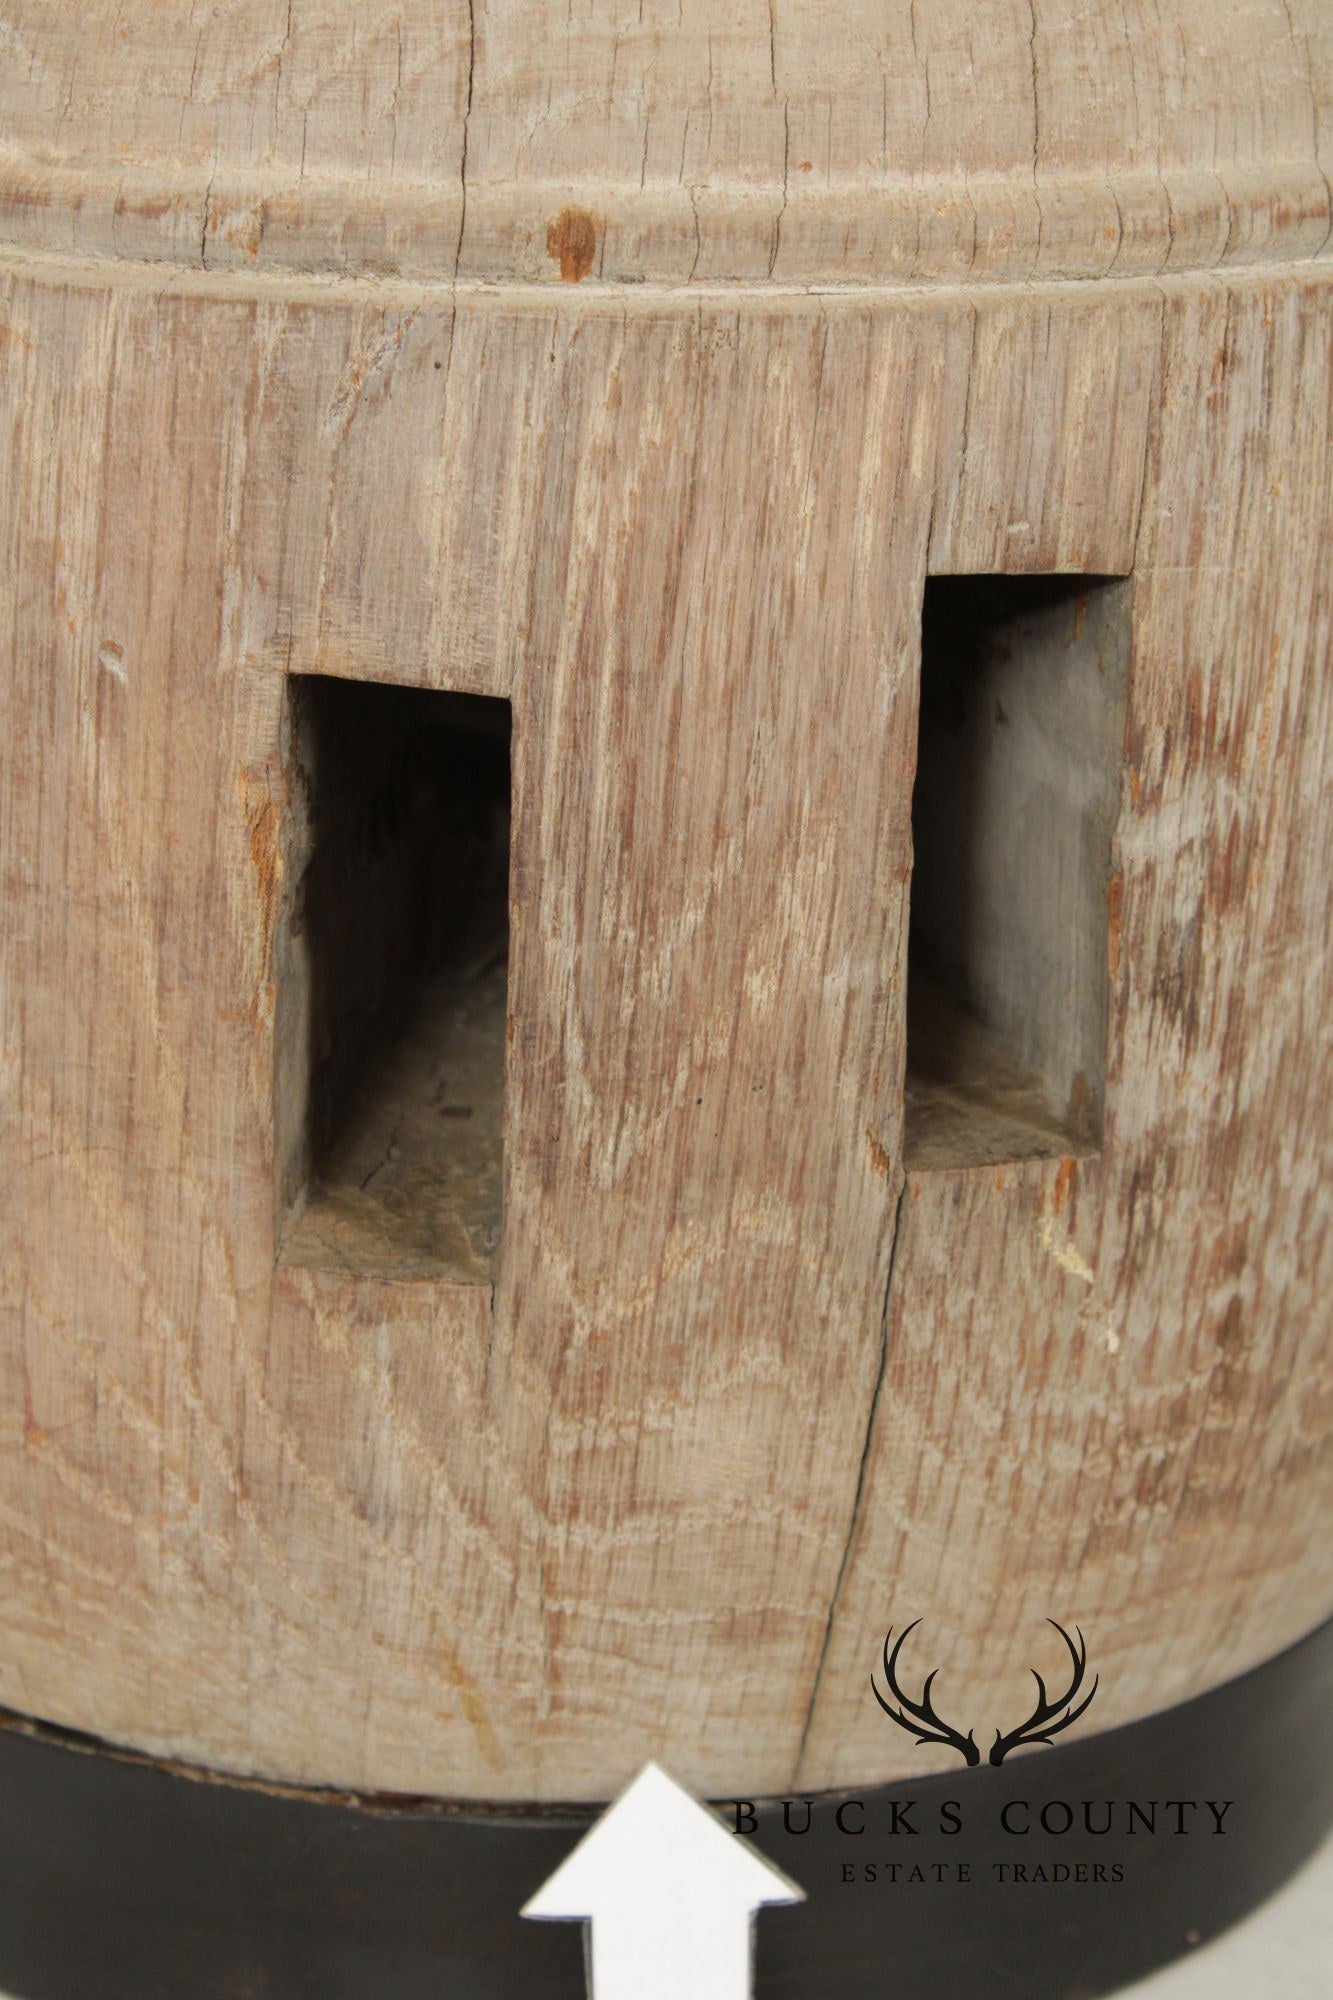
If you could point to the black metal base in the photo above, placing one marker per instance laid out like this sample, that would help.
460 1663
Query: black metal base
120 1880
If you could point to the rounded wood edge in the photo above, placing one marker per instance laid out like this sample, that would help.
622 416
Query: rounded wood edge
123 1880
908 231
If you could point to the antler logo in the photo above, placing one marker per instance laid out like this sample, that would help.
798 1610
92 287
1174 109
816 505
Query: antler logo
1047 1719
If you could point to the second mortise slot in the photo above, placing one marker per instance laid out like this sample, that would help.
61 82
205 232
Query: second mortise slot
392 980
1020 753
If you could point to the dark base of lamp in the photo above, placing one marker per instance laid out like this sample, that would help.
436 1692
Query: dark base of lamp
120 1880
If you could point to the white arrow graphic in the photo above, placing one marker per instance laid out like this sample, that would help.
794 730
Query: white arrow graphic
670 1895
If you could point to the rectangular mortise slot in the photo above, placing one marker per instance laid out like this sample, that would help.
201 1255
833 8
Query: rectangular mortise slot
392 978
1018 782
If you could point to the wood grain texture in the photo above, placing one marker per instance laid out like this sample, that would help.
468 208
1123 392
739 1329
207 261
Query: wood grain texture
1134 1344
658 1489
848 142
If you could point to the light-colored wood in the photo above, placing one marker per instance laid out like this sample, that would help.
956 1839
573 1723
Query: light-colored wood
741 1392
801 144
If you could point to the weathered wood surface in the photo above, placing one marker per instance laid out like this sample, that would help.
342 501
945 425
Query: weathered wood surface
660 1489
485 139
